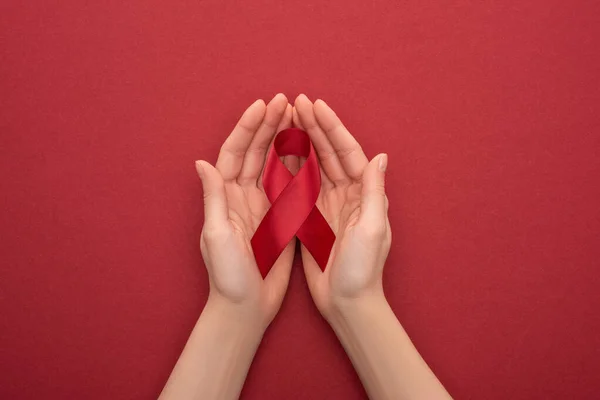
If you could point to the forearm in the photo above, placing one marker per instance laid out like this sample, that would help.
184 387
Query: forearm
217 356
382 353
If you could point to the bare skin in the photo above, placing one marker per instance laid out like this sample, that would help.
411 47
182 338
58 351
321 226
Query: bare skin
349 293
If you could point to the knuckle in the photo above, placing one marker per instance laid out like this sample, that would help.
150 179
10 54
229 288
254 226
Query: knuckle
228 148
309 121
258 149
207 196
214 193
379 188
374 231
346 152
272 122
214 234
326 155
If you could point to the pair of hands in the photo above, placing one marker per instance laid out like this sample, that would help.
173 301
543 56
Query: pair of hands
352 200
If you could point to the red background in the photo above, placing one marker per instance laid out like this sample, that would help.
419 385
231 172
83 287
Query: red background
488 110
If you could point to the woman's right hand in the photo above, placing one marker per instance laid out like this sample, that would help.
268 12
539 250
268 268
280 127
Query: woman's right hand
349 293
353 201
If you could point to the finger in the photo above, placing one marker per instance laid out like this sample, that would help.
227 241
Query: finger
372 207
291 162
256 153
286 122
215 199
231 156
325 181
348 150
295 119
325 151
278 277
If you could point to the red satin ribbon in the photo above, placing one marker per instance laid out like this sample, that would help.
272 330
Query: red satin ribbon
293 211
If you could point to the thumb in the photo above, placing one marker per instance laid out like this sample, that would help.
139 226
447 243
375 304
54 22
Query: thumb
372 198
215 200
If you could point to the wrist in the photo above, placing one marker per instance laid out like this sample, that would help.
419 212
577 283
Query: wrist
239 319
217 355
346 311
381 351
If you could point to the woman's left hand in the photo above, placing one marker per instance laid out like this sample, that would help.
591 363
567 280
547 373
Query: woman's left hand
234 205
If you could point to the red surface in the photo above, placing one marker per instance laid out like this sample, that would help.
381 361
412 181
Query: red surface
488 110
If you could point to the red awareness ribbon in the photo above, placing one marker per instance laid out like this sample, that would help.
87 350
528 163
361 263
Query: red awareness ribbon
293 211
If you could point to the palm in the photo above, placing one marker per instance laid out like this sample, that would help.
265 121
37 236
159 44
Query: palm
239 275
247 206
340 205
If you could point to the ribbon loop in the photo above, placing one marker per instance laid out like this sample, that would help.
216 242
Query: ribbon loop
293 210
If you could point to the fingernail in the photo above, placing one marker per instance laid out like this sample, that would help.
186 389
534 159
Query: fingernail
200 169
383 160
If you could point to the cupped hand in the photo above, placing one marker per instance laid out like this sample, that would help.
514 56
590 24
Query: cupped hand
354 203
234 205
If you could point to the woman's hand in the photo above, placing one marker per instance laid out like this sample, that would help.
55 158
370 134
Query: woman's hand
234 205
354 203
241 304
349 293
